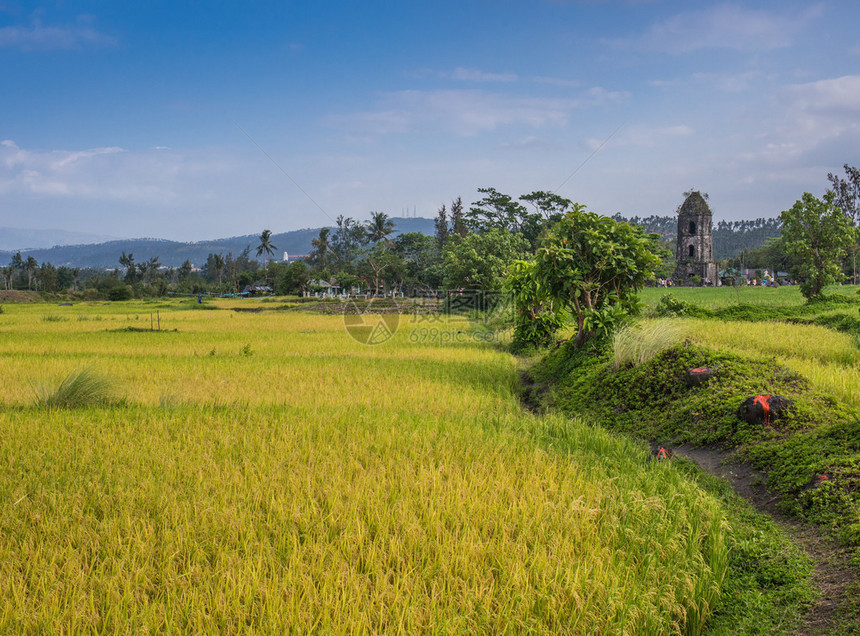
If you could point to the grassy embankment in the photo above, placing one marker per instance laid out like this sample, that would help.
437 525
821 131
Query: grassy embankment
778 345
265 472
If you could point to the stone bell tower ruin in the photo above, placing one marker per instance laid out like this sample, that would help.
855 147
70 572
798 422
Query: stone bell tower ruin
694 255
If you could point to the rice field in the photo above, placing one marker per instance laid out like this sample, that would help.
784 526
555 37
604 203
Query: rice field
267 473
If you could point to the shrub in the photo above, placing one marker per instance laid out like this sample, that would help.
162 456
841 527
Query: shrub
672 306
120 292
79 389
536 321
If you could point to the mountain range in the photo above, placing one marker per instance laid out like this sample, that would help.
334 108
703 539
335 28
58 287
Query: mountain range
106 254
14 239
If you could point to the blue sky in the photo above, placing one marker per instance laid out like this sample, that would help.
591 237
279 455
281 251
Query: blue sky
127 119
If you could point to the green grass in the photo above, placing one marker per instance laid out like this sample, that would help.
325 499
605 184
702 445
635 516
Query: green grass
718 297
637 343
652 400
79 389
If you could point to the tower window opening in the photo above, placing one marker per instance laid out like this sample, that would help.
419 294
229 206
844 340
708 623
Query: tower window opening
692 251
692 227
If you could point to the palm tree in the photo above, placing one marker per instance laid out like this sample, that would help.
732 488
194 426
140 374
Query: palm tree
31 265
266 246
16 264
152 266
379 227
218 265
130 268
319 254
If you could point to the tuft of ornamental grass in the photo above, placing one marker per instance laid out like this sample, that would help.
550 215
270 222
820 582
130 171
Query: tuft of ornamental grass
79 389
637 343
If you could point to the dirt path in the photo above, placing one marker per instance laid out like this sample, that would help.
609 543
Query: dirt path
837 581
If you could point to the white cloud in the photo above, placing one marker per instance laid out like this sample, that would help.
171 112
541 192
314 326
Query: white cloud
665 83
730 82
728 26
463 74
40 37
109 173
836 99
529 143
468 112
64 158
474 75
643 136
723 82
812 128
557 81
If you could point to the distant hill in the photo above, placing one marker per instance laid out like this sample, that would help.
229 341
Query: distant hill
14 239
174 253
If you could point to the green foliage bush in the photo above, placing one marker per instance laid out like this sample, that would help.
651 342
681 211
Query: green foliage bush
672 306
119 293
537 317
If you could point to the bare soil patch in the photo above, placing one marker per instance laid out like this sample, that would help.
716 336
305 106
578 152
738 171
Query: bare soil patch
19 296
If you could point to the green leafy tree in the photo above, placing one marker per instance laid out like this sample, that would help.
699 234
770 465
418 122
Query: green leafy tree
46 278
501 210
495 210
594 265
458 218
847 192
294 278
347 282
481 261
421 261
380 261
536 320
818 234
549 208
347 240
6 273
548 205
184 272
441 225
243 268
213 270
